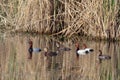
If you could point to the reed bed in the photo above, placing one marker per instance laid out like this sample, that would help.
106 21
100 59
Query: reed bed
91 18
99 19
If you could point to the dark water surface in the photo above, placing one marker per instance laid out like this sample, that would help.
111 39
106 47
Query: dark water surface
15 65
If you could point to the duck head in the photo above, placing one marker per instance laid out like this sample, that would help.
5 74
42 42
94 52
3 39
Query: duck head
77 46
30 42
84 46
46 51
100 52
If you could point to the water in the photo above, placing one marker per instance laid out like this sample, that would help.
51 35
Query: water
15 65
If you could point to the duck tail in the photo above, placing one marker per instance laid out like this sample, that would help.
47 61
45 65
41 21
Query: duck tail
91 50
40 50
108 57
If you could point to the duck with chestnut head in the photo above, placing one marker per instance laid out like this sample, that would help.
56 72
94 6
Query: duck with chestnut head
31 49
103 57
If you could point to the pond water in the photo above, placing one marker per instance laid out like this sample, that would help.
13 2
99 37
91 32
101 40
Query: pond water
15 65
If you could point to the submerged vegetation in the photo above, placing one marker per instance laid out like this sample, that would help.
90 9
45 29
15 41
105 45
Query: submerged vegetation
99 19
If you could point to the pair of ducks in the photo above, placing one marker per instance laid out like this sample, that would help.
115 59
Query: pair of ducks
83 51
89 50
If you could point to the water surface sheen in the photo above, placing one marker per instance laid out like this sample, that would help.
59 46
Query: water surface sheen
15 65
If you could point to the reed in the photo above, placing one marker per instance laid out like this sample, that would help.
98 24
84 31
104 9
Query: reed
92 18
67 17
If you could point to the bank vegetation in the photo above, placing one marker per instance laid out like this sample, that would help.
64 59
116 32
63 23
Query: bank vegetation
92 18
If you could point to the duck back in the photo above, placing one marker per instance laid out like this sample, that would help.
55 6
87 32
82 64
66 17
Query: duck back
50 54
104 57
82 52
36 49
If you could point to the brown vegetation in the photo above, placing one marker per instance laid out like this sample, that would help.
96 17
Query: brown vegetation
68 17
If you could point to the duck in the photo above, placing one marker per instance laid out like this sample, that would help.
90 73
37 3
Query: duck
83 51
50 53
31 49
103 57
62 48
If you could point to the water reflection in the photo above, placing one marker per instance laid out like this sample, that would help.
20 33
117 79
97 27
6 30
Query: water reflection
15 65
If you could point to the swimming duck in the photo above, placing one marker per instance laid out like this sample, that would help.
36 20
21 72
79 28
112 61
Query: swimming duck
83 51
62 48
31 49
50 53
103 57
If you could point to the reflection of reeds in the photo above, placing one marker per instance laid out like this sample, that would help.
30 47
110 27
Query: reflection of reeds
65 66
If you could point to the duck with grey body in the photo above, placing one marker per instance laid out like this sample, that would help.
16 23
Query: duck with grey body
103 57
31 49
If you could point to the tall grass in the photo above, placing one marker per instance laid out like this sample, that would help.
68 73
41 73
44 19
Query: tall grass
67 17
